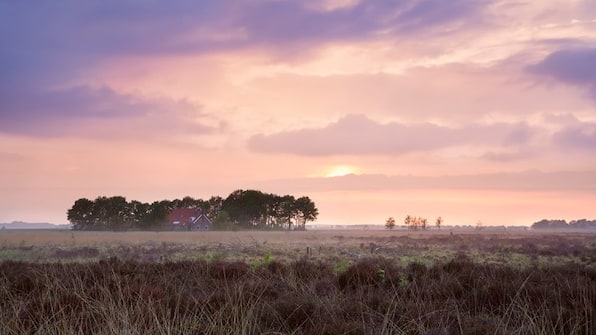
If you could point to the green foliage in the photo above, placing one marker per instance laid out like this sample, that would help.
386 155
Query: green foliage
242 209
82 215
265 261
115 213
305 210
247 208
381 274
341 265
251 209
223 222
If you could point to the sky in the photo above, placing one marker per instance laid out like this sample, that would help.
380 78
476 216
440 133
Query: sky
472 110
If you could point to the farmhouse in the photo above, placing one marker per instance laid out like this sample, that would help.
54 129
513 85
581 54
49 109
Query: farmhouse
188 219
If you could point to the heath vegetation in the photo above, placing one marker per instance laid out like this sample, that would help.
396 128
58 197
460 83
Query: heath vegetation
331 282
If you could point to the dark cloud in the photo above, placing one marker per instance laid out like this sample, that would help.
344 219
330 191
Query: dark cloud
76 110
357 134
289 21
45 44
78 33
572 66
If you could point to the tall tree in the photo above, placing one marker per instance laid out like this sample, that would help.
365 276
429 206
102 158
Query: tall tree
287 211
137 211
243 208
409 221
423 222
112 212
82 214
246 207
157 213
306 211
212 207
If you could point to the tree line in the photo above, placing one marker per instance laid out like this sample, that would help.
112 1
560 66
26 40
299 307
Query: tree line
413 222
562 224
242 209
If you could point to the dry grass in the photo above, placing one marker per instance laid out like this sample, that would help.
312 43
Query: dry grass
404 246
293 238
372 296
313 282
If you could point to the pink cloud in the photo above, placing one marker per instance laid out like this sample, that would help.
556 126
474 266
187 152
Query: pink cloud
89 112
359 135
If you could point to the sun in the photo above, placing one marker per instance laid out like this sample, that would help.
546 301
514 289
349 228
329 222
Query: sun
340 170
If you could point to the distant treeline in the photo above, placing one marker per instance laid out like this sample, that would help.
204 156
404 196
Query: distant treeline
558 224
242 209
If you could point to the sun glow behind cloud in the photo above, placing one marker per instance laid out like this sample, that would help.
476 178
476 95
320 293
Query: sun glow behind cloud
340 171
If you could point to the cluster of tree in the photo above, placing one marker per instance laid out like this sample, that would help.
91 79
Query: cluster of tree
413 222
242 209
114 213
562 224
255 209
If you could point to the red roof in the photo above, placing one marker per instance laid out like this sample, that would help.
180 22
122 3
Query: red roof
185 216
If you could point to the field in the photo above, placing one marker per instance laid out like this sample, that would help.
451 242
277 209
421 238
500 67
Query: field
313 282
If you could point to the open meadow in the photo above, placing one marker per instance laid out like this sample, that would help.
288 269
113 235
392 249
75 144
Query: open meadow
300 282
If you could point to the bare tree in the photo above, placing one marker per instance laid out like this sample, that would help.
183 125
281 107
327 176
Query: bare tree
439 222
409 221
423 222
390 223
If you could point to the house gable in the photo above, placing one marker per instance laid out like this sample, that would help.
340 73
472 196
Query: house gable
188 219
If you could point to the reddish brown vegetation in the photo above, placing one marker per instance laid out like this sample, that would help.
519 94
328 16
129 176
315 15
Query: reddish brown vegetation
301 297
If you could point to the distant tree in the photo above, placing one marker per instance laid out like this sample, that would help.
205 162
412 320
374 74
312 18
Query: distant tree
305 211
423 222
273 209
582 223
223 222
136 212
409 221
287 211
242 208
112 212
550 224
438 222
82 215
190 202
103 213
213 206
415 222
157 214
390 223
247 208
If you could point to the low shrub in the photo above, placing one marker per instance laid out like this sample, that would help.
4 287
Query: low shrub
370 296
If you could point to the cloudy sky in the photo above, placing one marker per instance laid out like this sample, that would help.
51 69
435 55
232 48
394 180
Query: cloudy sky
475 110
